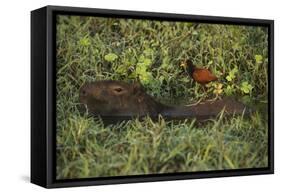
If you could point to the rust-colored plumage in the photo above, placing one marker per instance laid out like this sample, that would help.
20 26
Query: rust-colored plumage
200 75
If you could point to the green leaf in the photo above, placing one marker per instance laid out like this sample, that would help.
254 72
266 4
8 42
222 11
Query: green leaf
229 78
229 90
148 52
258 58
161 78
84 41
194 33
231 75
147 62
246 87
235 70
141 69
110 57
122 69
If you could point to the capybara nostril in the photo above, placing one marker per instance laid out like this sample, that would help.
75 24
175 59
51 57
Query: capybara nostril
83 92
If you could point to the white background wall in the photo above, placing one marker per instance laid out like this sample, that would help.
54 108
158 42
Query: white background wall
15 94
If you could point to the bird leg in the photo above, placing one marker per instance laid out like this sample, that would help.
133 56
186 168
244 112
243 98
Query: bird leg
196 103
214 99
202 97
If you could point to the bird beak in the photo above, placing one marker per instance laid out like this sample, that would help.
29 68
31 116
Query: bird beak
183 65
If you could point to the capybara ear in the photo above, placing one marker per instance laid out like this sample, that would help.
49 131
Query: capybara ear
137 87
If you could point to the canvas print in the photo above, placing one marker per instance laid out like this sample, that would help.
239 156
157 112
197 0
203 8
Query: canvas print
143 97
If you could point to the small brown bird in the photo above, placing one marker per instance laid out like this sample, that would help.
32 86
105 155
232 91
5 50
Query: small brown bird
200 75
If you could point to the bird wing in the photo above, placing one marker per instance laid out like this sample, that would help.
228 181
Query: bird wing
203 76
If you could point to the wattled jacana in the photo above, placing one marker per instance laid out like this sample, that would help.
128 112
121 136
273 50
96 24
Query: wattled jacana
200 75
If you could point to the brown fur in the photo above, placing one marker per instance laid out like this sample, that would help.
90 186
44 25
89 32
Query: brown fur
117 98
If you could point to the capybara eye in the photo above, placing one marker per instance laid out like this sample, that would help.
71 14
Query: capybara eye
118 89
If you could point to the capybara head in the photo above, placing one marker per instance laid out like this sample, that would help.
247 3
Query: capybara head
111 98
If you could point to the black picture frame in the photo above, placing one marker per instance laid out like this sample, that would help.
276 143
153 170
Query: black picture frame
43 96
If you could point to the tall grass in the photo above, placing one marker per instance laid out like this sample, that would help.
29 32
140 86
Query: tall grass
91 48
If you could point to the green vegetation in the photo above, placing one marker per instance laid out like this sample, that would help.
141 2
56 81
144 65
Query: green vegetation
90 49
